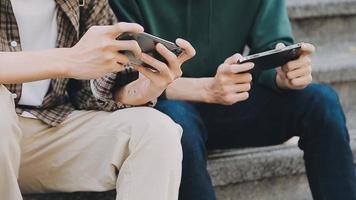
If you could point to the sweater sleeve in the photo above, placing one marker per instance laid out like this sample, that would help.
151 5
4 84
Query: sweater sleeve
271 26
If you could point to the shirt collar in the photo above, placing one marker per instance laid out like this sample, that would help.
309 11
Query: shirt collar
72 11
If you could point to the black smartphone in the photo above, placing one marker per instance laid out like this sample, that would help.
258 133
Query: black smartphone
147 43
274 58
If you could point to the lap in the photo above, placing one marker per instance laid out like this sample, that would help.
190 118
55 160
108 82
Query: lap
83 153
267 118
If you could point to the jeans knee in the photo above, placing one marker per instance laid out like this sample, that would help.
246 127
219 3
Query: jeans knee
325 113
193 142
324 96
186 115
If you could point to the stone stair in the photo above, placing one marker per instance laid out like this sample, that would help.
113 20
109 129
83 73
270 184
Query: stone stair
277 172
331 26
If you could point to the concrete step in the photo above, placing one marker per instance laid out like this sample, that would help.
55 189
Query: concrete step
302 9
273 173
330 25
269 173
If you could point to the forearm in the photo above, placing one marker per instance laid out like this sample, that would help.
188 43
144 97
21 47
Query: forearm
19 67
189 89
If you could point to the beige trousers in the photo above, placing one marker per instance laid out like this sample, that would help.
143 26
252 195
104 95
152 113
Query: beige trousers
137 151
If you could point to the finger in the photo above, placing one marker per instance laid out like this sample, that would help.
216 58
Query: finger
189 51
173 62
295 64
236 68
234 59
300 72
161 67
281 74
168 55
237 97
241 78
280 46
148 73
117 67
128 45
239 88
302 81
121 58
307 49
122 27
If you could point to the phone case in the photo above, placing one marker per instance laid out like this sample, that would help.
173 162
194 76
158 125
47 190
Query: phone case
147 43
273 58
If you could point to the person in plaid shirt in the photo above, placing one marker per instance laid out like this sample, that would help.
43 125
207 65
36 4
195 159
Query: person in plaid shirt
63 87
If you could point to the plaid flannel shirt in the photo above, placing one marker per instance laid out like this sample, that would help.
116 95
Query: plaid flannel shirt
67 95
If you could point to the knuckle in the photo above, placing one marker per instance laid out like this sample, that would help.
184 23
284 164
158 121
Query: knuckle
289 66
245 95
247 87
221 79
163 66
179 73
289 75
238 56
193 52
228 101
249 77
104 44
295 83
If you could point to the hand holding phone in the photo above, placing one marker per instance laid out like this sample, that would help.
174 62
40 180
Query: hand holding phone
274 58
159 65
147 43
296 74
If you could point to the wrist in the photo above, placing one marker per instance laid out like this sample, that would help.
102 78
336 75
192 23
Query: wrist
66 62
190 89
207 94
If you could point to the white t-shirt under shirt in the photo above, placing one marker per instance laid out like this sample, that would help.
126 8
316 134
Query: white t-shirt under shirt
37 23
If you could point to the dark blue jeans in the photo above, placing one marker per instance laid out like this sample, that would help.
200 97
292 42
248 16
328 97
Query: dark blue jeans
269 118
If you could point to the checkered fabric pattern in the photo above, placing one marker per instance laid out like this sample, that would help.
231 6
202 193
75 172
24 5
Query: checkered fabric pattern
67 95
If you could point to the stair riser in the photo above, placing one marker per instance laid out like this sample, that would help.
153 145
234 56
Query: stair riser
323 31
291 188
347 94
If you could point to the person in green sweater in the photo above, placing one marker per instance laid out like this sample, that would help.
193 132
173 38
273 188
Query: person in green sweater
221 100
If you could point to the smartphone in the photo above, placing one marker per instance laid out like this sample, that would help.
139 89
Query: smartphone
147 43
274 58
